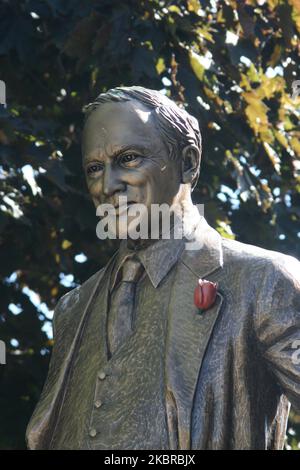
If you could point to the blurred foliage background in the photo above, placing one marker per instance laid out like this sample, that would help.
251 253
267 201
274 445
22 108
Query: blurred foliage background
231 63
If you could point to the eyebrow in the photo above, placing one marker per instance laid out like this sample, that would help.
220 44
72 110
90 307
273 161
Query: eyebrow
119 151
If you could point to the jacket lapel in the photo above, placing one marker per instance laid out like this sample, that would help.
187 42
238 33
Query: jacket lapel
189 331
73 310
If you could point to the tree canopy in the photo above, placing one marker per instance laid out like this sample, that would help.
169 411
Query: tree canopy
230 63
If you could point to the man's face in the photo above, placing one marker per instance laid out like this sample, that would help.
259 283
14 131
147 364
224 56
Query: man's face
124 155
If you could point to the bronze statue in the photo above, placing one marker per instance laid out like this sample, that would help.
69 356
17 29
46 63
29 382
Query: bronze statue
168 347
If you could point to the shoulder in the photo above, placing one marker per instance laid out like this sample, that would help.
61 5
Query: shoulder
78 293
77 297
269 280
243 254
207 252
271 271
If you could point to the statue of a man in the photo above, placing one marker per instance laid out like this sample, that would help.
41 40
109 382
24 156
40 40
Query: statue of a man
187 342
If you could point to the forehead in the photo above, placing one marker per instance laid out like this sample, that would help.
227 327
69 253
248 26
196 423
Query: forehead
112 126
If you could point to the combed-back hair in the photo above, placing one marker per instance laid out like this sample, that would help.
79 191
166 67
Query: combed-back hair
178 128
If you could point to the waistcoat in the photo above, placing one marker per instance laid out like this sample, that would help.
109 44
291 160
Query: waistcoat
119 402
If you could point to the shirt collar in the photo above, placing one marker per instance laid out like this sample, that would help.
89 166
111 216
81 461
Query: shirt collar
159 256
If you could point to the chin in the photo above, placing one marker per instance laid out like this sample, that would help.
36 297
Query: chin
121 229
127 225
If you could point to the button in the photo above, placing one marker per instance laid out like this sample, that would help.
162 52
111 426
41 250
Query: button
98 403
93 432
101 375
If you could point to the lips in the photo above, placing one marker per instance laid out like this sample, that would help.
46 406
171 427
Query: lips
121 209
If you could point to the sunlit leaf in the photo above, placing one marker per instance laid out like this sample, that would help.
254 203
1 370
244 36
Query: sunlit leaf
66 244
193 5
196 64
160 65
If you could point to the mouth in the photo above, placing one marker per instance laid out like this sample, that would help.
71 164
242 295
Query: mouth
121 209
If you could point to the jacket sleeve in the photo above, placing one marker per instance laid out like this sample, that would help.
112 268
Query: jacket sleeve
277 324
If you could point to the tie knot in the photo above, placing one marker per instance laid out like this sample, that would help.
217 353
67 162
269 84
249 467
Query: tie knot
131 269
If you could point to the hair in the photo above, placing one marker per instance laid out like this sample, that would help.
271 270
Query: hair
178 128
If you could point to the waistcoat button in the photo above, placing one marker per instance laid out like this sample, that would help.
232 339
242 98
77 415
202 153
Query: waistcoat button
98 403
101 375
92 432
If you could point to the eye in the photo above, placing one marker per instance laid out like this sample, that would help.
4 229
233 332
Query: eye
94 168
130 160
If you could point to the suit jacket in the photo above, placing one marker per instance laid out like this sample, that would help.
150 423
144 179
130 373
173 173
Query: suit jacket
231 371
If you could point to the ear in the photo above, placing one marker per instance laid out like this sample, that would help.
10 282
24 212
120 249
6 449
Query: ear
190 163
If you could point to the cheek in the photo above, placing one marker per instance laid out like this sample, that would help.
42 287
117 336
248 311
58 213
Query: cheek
163 183
137 186
136 178
95 188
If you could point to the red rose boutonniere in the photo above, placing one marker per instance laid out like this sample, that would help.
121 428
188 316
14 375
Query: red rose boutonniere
205 294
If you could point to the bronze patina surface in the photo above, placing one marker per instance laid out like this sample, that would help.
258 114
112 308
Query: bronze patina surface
222 379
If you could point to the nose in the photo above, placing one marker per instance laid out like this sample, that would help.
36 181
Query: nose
112 183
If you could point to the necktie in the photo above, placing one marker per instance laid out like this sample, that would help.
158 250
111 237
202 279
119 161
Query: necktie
120 316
